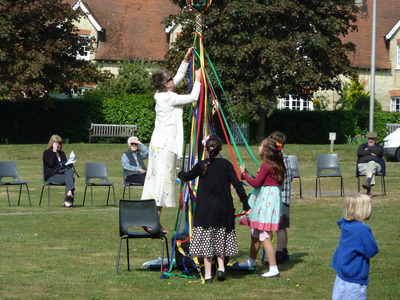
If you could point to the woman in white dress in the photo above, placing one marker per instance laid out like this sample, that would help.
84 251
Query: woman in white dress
167 139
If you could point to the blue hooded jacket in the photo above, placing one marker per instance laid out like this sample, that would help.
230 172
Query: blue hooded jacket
356 246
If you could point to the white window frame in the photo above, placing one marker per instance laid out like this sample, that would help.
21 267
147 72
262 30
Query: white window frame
395 104
398 57
86 56
295 103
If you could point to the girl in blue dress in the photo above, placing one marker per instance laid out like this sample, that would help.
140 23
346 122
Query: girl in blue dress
266 204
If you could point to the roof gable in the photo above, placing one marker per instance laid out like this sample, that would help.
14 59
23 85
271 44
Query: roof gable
81 5
387 15
393 31
132 29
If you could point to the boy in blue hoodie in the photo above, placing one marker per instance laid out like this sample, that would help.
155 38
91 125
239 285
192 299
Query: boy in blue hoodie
356 246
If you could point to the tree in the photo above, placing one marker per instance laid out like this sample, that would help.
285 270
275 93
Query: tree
133 78
264 49
38 48
354 97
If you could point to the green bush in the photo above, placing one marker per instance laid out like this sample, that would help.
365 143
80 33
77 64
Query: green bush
313 127
34 121
132 109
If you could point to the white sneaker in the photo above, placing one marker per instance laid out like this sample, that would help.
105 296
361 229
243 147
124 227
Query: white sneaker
271 275
67 204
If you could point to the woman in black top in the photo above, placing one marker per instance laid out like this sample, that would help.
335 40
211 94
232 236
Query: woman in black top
214 218
54 170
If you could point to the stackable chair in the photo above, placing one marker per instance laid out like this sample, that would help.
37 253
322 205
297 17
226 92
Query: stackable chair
294 164
381 174
8 169
93 173
139 213
328 166
129 185
48 184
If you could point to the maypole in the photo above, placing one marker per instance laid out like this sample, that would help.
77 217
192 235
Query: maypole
201 126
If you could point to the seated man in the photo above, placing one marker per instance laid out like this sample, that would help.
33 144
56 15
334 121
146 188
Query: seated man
370 161
132 161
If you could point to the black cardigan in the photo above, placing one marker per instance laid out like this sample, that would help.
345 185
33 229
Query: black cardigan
50 162
214 204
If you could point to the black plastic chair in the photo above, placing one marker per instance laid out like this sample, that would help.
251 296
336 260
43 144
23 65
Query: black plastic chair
139 213
129 185
294 164
328 166
48 184
380 174
97 171
8 169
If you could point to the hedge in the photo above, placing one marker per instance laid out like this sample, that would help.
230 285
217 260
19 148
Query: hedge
34 121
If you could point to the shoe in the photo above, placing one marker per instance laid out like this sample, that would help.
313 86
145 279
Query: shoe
67 204
267 275
366 185
209 280
279 257
246 264
147 229
285 255
221 275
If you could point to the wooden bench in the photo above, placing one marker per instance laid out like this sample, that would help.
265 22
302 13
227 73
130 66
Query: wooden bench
111 130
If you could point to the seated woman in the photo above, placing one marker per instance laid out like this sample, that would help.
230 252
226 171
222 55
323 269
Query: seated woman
132 161
55 171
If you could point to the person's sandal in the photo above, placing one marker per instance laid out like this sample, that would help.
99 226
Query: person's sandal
147 229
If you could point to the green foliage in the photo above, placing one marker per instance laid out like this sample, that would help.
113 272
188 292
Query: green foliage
266 49
354 96
132 109
34 121
39 47
315 130
133 78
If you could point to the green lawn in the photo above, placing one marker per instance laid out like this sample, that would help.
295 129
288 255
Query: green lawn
59 253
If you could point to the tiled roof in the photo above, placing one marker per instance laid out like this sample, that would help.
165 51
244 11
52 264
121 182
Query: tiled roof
387 16
133 28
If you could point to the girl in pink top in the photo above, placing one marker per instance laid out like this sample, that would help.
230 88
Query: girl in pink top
266 204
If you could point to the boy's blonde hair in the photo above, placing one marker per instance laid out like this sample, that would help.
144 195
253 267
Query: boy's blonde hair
357 207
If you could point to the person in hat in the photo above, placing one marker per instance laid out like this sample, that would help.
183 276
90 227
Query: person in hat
132 161
370 161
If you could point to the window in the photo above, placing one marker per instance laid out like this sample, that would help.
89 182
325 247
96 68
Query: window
395 104
84 54
398 56
295 103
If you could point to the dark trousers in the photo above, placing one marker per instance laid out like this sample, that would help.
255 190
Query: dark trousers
67 178
136 178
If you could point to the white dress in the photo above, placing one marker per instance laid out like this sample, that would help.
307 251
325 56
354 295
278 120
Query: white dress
167 142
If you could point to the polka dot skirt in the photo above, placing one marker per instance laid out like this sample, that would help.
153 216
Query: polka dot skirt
210 241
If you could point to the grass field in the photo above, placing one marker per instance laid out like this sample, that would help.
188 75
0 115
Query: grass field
59 253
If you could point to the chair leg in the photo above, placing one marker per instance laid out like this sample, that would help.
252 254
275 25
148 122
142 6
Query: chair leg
341 187
358 183
384 185
29 197
48 195
301 190
19 197
84 196
119 256
8 196
41 195
127 253
108 195
115 202
91 195
316 186
123 193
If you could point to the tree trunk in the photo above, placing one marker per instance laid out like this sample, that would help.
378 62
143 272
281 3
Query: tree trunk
260 125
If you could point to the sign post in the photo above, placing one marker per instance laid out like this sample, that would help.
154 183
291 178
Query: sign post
332 138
